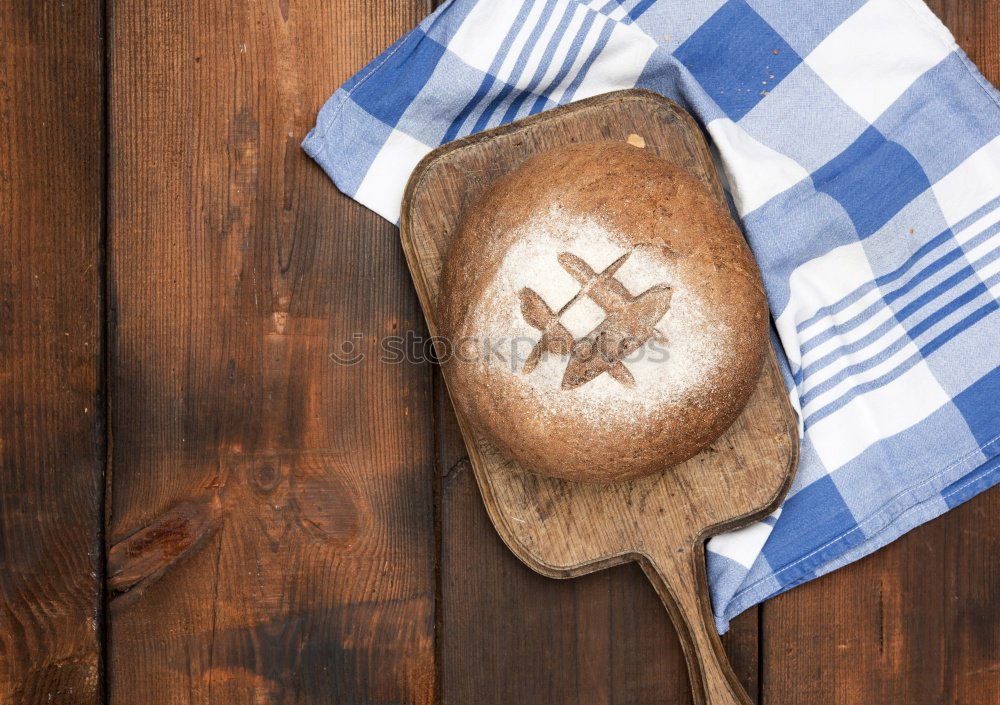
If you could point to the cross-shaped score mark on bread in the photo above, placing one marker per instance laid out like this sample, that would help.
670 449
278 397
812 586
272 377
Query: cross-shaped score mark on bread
629 323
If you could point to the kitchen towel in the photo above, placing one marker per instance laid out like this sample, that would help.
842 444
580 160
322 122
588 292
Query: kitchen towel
862 153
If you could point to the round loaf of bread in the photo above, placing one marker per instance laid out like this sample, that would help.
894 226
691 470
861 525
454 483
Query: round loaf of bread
602 317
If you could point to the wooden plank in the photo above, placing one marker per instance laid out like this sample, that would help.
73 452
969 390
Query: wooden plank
915 622
271 536
976 26
51 414
509 635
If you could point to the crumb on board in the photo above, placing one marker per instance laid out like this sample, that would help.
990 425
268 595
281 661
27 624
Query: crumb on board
636 141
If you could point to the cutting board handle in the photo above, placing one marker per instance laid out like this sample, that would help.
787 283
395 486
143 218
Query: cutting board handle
679 579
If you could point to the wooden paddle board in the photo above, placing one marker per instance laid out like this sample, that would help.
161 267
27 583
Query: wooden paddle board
565 529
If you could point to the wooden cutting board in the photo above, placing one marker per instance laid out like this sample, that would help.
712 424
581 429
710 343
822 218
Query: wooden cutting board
564 529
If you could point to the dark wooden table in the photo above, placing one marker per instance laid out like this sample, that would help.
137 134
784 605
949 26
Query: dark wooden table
198 505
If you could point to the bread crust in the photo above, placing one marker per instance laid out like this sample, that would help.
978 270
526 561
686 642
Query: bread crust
603 220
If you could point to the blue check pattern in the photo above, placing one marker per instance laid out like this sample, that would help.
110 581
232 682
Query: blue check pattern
862 153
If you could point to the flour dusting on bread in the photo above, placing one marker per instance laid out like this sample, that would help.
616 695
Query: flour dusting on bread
670 368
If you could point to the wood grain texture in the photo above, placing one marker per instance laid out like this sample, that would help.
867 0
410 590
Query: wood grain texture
51 413
566 529
271 536
976 27
266 545
916 622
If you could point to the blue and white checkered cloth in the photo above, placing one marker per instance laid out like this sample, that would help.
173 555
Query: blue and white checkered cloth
862 150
